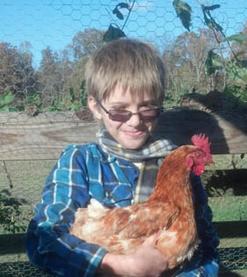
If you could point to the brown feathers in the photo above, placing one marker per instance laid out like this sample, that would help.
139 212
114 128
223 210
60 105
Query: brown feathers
169 211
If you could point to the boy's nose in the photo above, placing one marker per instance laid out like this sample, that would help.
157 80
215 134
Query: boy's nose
135 120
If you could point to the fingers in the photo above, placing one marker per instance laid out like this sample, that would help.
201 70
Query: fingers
151 240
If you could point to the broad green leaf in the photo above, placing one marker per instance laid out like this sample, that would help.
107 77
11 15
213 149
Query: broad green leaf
113 33
216 26
211 8
209 20
117 12
212 24
123 5
6 99
240 38
183 11
213 62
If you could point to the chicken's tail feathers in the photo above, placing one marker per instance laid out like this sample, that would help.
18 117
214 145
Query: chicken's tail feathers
95 203
96 210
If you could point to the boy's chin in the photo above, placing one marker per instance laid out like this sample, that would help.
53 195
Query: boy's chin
133 145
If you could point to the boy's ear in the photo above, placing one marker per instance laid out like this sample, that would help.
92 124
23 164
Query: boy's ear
94 107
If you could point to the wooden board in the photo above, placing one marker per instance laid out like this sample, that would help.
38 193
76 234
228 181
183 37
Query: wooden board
44 136
41 137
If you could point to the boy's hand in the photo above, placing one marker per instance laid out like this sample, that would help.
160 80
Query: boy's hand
147 261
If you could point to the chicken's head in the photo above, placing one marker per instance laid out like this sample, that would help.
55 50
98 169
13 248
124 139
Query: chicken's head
202 156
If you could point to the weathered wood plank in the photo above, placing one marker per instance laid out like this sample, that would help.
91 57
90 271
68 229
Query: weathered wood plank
228 136
44 136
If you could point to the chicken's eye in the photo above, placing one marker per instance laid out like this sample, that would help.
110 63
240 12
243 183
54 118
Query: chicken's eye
199 154
189 162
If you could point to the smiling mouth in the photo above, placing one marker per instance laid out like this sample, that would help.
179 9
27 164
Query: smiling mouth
135 134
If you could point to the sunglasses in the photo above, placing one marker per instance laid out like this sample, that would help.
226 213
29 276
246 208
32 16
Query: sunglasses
124 115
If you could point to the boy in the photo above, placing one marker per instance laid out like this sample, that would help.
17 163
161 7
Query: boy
125 85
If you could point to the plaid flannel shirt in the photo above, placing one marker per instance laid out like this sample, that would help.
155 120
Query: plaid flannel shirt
82 172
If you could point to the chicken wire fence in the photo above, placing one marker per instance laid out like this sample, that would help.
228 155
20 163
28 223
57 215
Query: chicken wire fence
45 44
43 49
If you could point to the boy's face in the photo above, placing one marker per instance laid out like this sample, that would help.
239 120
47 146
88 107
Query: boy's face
133 133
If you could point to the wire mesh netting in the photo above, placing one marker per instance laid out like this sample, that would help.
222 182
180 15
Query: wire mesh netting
21 269
44 46
44 49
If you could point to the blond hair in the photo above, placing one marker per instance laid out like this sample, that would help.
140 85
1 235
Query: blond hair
132 64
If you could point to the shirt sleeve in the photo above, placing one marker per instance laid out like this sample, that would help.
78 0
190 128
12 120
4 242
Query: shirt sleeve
49 243
204 263
209 269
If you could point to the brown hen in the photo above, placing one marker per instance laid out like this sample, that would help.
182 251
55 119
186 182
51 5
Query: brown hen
169 210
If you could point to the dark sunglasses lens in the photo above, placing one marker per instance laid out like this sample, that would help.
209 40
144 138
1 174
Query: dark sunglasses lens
121 116
150 115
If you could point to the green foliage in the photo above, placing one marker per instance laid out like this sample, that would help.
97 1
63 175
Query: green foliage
183 11
237 97
117 11
213 62
209 20
114 31
232 68
239 37
10 213
71 101
175 94
172 99
5 101
236 76
237 73
34 99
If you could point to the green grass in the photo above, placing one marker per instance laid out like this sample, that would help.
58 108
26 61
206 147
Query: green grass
26 177
229 208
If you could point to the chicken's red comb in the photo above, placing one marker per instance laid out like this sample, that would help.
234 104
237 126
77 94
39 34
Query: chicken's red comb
202 142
